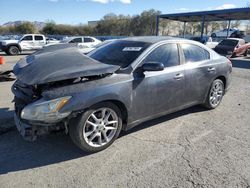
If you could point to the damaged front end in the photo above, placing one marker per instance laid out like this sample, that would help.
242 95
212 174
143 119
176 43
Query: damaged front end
35 116
43 71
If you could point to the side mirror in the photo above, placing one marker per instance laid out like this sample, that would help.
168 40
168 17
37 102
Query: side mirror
152 66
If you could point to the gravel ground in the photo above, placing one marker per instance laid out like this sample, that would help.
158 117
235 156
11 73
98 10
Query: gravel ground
191 148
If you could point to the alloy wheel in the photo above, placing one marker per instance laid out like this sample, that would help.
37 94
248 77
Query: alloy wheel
216 94
100 127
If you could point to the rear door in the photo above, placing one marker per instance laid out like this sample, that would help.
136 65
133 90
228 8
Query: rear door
199 71
39 42
156 92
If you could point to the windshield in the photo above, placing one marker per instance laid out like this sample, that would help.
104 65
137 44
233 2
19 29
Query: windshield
229 43
120 52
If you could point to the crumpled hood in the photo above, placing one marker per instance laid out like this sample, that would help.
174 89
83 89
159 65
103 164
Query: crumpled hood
56 63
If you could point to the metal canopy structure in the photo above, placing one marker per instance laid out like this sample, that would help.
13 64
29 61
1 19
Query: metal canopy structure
205 16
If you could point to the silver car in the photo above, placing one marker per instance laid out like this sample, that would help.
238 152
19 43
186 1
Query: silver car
115 87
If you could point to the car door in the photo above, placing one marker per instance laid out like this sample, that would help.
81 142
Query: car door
39 42
27 42
199 71
157 92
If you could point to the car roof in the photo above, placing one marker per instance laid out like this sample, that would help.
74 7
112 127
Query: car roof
151 39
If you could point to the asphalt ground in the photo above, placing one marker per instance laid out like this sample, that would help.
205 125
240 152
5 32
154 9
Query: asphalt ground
191 148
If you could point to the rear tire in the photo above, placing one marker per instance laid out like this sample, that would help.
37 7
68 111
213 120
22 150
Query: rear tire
215 94
13 50
90 132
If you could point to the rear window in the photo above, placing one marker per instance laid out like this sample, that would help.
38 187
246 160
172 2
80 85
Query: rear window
194 53
121 53
87 39
229 43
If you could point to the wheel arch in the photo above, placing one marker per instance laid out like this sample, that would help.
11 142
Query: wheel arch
123 109
223 79
14 44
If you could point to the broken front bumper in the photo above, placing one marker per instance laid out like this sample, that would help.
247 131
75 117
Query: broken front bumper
27 132
30 131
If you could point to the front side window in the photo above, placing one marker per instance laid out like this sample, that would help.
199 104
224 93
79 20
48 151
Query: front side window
76 40
27 38
120 52
194 53
166 54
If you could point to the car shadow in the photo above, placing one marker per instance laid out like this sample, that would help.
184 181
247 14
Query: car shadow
16 154
243 63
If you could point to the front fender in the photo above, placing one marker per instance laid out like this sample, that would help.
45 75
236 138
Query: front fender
14 44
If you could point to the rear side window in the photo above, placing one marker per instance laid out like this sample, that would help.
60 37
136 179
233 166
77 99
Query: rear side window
29 37
37 37
194 53
166 54
76 40
87 39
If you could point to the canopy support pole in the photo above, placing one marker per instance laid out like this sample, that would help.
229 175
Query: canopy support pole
202 26
157 26
184 29
228 27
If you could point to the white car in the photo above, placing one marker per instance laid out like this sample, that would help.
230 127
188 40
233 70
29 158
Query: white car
223 33
23 43
85 49
52 41
86 41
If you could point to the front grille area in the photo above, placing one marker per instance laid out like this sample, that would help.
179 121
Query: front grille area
24 94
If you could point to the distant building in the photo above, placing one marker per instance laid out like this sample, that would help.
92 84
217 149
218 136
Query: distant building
93 23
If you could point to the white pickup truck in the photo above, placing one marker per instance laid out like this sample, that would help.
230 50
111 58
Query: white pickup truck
23 43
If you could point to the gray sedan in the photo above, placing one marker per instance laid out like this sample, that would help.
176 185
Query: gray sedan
115 87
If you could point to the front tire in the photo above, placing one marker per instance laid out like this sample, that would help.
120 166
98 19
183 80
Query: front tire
13 50
215 94
97 128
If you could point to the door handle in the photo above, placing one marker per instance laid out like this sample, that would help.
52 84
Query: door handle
211 69
178 76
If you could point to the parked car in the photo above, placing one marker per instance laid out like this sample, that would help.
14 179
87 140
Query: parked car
52 40
85 49
115 87
23 43
232 47
208 41
236 33
85 41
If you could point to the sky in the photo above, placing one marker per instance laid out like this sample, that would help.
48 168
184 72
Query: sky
81 11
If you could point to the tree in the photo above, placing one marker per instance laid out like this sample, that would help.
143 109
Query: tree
25 28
